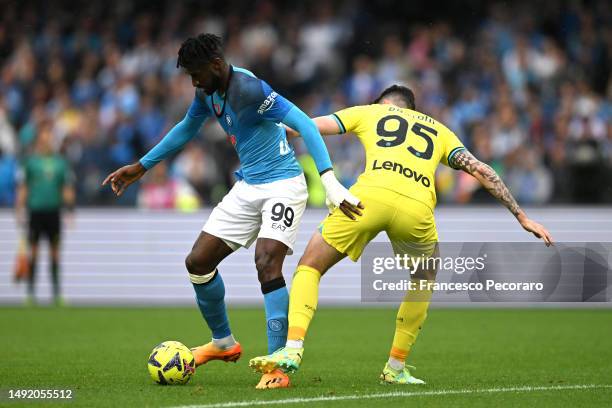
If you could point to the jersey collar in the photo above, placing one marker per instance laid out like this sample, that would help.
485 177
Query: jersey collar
212 100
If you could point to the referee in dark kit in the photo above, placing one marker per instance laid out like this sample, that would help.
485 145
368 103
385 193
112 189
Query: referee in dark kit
45 186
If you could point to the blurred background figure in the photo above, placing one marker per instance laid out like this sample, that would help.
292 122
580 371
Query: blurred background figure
45 186
159 191
162 191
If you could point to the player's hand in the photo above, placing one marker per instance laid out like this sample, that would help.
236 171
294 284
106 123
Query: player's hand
349 209
536 229
120 179
340 197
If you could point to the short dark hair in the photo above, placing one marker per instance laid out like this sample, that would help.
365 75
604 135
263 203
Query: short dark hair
195 52
398 91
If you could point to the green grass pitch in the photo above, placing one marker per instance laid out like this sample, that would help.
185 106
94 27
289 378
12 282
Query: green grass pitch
101 354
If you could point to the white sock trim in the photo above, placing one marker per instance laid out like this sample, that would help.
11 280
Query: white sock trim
225 342
396 364
200 279
295 344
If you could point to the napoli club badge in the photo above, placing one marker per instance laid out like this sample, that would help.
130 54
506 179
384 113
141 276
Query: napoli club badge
228 119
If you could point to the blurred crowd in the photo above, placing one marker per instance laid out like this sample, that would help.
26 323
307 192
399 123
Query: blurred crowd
526 86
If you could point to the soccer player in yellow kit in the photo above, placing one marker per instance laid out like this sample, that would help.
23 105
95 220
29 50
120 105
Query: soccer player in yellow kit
403 148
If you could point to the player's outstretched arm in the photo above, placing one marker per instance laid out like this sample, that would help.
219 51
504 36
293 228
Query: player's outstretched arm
326 124
174 141
490 180
336 193
121 178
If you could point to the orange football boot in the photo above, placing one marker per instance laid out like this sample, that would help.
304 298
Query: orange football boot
209 351
274 379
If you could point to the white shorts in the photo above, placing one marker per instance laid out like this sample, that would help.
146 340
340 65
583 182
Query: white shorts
250 211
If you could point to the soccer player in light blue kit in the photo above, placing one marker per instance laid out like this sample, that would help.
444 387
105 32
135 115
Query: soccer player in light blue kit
265 204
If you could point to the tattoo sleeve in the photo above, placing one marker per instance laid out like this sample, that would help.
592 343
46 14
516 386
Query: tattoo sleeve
488 178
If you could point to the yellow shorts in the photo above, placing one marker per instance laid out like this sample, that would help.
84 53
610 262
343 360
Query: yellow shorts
408 223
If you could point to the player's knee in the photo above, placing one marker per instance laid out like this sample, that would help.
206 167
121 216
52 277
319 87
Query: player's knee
189 264
308 260
267 267
198 265
312 261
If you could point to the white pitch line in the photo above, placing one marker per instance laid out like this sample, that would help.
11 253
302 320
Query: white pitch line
396 395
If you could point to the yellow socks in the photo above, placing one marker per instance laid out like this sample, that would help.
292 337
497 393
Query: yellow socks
302 301
303 304
410 318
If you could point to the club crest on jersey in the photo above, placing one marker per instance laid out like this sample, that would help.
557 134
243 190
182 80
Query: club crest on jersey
232 139
268 103
228 119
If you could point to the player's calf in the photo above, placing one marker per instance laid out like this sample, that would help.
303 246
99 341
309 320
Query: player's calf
269 260
269 256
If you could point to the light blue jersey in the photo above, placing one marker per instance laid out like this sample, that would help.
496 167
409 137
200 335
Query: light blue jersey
251 113
251 116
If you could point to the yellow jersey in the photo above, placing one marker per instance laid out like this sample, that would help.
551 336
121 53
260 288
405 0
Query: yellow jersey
403 148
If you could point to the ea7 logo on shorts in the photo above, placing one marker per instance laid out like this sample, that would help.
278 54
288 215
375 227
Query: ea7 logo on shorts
267 104
278 226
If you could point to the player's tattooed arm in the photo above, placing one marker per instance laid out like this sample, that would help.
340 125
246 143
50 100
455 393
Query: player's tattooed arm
490 180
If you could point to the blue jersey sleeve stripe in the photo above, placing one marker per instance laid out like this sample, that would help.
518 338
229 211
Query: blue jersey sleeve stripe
452 153
339 122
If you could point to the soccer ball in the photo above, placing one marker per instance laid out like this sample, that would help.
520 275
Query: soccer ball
171 362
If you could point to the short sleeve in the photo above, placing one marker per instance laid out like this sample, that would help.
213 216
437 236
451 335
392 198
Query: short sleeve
451 145
198 106
349 119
